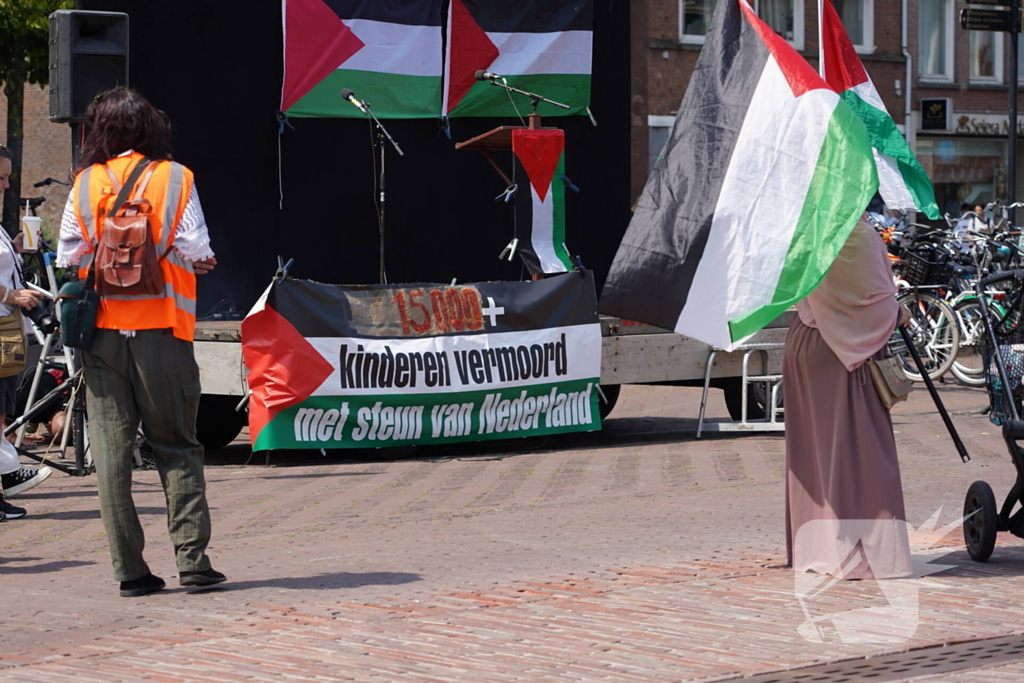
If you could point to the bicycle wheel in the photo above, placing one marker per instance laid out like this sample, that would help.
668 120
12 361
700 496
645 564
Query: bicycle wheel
969 367
935 334
79 436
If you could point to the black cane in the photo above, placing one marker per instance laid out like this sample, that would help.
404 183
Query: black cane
960 448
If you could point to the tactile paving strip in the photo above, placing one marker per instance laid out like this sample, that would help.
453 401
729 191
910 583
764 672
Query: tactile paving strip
905 665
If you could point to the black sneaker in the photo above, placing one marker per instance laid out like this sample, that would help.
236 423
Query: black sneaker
24 479
138 587
207 578
8 511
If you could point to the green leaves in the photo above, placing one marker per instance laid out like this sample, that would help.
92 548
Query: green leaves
24 39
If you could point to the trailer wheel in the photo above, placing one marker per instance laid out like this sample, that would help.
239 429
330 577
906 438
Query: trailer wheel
217 423
732 387
611 392
982 521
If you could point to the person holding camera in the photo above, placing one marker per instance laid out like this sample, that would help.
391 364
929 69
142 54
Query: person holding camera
14 299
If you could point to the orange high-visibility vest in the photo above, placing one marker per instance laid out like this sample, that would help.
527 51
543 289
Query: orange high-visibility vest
168 193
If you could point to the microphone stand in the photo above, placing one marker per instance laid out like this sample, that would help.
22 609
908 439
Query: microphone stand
382 134
535 99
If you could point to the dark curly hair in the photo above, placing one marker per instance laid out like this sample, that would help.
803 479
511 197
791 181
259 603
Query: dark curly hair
122 119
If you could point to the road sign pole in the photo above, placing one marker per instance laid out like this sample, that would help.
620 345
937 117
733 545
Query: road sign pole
1011 175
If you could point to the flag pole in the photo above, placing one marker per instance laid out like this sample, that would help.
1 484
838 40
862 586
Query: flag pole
943 413
821 41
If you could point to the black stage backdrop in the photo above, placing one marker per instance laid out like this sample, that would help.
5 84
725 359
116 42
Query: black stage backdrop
215 68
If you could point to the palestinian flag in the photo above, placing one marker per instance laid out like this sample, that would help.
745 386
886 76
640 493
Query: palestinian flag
764 176
902 182
540 46
388 52
540 212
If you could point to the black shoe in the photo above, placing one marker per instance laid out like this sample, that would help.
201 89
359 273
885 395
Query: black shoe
22 480
207 578
138 587
10 511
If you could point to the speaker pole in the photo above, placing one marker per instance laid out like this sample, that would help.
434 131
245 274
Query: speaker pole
76 144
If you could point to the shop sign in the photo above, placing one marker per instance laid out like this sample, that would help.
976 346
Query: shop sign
994 125
935 113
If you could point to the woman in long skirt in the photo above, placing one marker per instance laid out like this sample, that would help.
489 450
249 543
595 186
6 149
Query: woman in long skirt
844 498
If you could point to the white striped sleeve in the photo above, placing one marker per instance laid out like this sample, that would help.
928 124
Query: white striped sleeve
192 238
71 243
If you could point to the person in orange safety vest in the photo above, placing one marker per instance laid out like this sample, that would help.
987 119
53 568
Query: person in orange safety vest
141 367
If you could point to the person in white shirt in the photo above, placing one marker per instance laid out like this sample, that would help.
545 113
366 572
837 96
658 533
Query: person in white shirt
16 479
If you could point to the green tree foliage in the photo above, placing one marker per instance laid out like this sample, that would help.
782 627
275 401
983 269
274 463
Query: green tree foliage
24 56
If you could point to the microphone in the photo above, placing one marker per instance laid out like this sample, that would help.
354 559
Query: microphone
347 95
482 75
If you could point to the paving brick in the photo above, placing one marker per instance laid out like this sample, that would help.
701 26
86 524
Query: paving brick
604 557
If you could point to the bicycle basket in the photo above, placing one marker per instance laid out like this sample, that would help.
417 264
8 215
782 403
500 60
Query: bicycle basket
1010 339
926 267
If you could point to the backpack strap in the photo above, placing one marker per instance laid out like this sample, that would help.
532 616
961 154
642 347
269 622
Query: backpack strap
125 190
144 183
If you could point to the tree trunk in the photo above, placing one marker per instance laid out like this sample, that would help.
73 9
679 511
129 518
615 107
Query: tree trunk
14 89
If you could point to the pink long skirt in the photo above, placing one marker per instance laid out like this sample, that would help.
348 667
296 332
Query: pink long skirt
844 498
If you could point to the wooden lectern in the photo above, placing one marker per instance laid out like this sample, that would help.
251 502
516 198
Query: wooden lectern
499 138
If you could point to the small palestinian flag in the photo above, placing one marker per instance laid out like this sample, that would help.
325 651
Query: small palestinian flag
902 182
541 47
764 176
388 52
284 368
540 213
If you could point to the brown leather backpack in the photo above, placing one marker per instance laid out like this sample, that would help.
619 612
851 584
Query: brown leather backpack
126 260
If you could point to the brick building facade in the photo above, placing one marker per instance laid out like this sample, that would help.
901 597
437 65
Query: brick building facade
967 72
47 154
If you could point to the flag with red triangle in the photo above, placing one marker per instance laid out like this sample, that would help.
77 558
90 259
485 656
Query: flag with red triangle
540 200
540 47
388 52
902 181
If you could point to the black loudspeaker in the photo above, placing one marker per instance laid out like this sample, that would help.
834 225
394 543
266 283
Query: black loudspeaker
88 55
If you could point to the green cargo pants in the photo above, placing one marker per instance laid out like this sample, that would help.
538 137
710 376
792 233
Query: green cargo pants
150 378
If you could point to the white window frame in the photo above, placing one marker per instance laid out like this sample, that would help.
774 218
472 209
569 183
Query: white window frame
950 33
798 22
999 49
685 37
1020 61
868 47
798 25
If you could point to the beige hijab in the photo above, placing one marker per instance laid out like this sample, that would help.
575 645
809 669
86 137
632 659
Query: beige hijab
854 307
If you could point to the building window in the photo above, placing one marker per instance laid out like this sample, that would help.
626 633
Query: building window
859 19
659 128
786 17
964 170
936 29
986 57
695 19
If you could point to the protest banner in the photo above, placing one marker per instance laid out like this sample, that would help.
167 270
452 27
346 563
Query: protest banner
369 366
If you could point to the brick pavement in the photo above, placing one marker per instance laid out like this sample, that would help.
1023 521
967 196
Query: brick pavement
635 554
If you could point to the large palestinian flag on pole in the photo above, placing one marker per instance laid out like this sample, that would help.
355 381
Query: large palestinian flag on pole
540 201
902 182
540 46
764 176
388 52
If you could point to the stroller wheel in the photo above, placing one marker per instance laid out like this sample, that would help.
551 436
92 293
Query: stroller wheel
982 521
